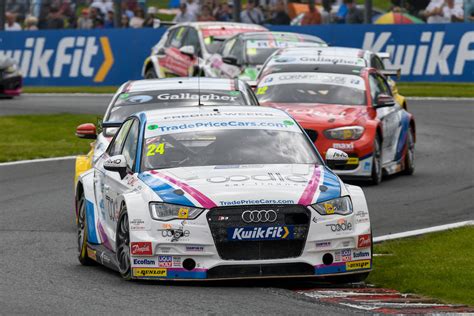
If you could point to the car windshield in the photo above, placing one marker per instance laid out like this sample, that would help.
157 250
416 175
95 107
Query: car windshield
129 103
227 147
312 88
258 50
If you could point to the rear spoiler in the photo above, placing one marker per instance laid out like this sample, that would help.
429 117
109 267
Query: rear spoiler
391 72
383 55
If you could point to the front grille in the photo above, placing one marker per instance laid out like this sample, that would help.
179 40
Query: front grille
260 270
293 219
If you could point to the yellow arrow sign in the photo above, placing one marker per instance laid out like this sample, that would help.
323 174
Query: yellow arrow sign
286 231
108 60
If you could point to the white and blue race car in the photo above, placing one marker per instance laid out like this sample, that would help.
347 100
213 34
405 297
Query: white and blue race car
220 192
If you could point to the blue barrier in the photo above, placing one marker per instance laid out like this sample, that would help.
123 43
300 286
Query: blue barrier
442 52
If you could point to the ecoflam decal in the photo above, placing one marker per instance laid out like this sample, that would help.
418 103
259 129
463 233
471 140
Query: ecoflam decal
72 57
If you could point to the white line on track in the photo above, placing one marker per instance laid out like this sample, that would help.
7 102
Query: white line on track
22 162
423 231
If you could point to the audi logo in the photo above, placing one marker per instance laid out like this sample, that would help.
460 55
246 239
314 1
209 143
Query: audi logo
262 216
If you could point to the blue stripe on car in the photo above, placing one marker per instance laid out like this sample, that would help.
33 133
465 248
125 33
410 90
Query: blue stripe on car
405 123
165 191
91 231
333 187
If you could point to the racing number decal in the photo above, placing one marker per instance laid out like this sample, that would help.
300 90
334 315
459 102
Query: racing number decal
153 149
262 90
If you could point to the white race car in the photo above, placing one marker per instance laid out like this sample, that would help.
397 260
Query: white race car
141 95
217 193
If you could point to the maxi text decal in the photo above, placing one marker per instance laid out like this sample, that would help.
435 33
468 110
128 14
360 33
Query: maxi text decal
442 52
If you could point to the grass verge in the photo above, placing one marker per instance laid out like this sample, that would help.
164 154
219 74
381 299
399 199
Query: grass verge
431 89
465 90
438 265
42 136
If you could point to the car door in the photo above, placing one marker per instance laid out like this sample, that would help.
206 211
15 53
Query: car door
174 63
389 116
100 187
112 183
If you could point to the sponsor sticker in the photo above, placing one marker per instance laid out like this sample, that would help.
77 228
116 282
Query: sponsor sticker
323 244
164 250
364 241
355 265
341 226
91 254
149 262
183 213
137 224
260 233
194 248
177 262
165 261
141 248
361 254
343 146
153 272
343 255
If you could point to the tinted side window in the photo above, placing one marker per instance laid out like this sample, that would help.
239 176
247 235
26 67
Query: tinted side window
237 51
178 36
227 47
192 39
115 147
383 86
374 88
377 63
130 146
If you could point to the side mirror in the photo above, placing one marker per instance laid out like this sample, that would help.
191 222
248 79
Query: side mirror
336 158
86 131
188 51
118 164
384 100
230 60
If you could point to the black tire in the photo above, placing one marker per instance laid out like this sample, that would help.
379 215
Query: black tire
123 245
377 169
151 74
410 156
82 233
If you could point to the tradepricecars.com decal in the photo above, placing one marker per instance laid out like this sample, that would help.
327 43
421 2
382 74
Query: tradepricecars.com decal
156 129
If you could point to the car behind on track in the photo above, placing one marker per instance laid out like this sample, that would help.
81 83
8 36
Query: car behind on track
344 105
141 95
11 80
219 193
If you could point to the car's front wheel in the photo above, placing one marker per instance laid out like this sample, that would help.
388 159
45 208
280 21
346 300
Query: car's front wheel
376 176
82 232
123 245
410 155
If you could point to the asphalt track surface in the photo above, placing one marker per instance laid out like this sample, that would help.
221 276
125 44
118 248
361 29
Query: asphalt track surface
40 273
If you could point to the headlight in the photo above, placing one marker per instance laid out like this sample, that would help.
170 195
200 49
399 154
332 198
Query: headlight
11 69
345 133
340 206
166 212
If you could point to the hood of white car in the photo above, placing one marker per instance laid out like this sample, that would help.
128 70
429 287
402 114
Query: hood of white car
213 186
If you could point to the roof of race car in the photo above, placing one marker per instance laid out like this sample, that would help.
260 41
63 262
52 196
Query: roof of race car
217 25
334 51
210 112
188 83
280 35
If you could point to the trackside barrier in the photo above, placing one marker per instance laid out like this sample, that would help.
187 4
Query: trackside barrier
442 52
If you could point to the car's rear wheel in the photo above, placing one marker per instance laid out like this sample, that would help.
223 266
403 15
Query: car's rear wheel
82 232
376 176
123 245
150 74
410 155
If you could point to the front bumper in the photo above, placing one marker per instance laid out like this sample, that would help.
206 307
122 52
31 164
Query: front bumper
11 86
186 249
359 152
